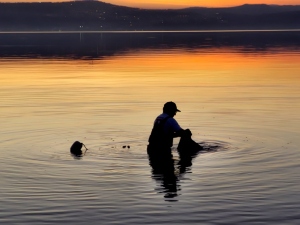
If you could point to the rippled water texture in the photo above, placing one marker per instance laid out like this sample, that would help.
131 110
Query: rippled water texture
239 94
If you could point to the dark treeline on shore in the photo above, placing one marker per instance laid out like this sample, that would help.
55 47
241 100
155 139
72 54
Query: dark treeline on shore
94 15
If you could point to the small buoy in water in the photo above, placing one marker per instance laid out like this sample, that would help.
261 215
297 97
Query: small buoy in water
128 146
76 148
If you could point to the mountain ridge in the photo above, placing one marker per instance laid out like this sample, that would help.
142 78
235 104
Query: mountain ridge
96 15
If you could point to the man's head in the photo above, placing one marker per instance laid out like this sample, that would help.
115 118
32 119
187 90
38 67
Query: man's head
170 108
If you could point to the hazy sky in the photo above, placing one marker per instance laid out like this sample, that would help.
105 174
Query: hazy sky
179 3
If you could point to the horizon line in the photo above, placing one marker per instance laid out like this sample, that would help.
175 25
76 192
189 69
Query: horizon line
148 31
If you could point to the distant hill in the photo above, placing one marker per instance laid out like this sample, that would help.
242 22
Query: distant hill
249 9
94 15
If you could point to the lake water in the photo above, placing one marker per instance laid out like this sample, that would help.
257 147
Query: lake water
238 93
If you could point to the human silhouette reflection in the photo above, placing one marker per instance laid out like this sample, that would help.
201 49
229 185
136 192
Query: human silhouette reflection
163 170
168 171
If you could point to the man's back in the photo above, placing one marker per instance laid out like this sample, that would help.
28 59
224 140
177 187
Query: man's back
163 131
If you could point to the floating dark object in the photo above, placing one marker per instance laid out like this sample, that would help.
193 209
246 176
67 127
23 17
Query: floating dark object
188 145
76 148
187 149
128 146
124 146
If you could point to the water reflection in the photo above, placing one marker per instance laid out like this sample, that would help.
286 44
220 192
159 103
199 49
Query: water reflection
99 45
167 171
163 171
248 102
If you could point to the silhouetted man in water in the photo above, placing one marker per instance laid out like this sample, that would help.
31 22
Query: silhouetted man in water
164 130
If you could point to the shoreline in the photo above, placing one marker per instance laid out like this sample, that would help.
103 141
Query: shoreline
147 31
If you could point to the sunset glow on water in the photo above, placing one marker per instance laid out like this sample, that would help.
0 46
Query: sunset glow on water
243 101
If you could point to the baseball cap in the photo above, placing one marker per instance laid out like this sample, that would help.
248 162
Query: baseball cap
170 106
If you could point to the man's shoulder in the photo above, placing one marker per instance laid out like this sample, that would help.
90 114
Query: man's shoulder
172 120
174 124
162 116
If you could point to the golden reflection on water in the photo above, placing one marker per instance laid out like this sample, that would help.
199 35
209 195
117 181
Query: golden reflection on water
215 67
247 101
136 84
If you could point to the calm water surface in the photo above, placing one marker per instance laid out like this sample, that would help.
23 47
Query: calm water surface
241 100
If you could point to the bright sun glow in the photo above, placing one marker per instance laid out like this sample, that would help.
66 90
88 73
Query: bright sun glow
180 3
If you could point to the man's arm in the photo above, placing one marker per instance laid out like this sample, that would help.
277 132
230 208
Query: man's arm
182 133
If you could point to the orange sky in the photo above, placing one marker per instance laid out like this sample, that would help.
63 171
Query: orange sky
179 3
